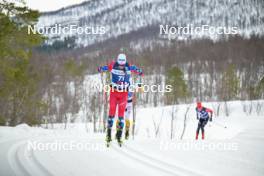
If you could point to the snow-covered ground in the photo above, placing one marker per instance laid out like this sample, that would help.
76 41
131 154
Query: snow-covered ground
234 150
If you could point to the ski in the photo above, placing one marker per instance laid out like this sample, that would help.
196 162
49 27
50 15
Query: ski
119 143
108 141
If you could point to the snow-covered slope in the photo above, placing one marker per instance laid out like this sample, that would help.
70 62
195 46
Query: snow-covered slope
235 150
124 16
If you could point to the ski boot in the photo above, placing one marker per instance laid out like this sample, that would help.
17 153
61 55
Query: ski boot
127 134
127 129
196 137
108 137
119 136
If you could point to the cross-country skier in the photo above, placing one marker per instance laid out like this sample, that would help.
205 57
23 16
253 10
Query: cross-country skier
203 115
120 82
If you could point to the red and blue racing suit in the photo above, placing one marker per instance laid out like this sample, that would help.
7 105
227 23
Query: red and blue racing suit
120 82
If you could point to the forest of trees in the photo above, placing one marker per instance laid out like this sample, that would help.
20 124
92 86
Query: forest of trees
48 84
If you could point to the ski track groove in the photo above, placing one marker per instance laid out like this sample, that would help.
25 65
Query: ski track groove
14 160
17 154
146 163
163 163
39 165
154 164
21 159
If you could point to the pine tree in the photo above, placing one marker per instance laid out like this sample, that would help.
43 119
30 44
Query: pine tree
19 101
175 78
230 84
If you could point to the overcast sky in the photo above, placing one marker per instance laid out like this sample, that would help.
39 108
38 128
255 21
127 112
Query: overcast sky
49 5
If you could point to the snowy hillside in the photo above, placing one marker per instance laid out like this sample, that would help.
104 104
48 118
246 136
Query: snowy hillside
124 16
35 151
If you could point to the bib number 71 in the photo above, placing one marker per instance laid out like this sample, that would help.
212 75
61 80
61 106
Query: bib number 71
121 78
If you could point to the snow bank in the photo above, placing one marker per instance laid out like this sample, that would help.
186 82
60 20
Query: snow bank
157 122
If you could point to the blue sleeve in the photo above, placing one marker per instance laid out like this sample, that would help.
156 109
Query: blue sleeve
135 69
105 68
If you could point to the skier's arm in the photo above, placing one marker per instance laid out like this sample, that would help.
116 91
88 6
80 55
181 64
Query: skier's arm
136 70
211 114
105 68
197 116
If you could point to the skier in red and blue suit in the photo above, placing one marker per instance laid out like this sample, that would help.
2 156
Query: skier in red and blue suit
203 115
120 81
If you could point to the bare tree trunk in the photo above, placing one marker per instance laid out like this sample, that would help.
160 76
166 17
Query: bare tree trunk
157 125
218 109
172 120
105 101
105 114
259 107
185 118
134 119
65 121
86 124
226 109
250 107
94 123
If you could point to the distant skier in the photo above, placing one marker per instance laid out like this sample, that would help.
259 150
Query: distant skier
120 82
203 115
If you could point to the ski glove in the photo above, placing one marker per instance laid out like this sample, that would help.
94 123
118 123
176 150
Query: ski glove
139 85
211 118
99 69
140 72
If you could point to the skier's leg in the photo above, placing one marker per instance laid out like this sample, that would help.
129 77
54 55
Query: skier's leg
119 129
112 103
203 125
109 128
122 101
198 129
127 118
110 121
202 131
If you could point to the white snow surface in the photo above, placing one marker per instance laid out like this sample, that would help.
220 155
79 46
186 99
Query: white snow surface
234 150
